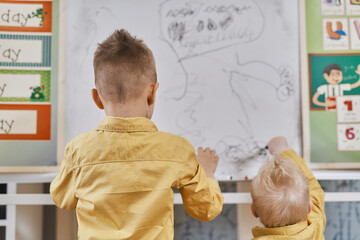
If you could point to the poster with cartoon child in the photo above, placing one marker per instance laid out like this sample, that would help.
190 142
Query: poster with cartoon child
332 76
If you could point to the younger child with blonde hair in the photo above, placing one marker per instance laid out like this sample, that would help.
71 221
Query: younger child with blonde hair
286 197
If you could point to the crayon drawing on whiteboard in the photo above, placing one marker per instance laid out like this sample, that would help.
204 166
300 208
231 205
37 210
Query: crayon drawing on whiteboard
228 72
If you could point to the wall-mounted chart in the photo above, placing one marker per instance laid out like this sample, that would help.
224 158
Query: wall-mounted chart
28 84
331 83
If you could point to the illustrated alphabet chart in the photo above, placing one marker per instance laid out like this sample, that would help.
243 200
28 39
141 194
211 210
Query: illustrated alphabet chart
330 81
340 33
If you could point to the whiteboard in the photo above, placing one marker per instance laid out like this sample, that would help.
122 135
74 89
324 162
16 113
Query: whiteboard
228 71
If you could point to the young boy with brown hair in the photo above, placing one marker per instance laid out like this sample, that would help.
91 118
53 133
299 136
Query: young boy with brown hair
286 197
120 176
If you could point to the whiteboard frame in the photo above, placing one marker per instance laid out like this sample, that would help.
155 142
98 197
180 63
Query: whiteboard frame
305 106
60 113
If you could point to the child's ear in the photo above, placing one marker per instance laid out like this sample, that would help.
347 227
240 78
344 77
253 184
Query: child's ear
152 93
253 211
310 206
96 98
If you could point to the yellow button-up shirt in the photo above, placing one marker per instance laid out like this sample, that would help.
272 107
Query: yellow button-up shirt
310 229
120 176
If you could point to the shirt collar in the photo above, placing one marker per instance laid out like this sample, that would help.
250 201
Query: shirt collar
290 230
116 124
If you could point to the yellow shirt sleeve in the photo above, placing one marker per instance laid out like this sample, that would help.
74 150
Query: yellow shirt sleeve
201 196
316 192
62 188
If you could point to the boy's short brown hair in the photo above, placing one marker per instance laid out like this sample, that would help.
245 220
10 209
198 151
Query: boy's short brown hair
123 65
280 193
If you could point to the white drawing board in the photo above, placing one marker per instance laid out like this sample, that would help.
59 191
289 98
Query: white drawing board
228 71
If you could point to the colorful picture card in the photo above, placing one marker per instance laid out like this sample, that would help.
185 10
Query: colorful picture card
348 137
25 122
24 86
352 7
340 7
25 16
332 7
331 76
335 34
348 109
25 50
354 24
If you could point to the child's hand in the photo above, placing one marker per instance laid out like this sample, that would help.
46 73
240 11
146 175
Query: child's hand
277 145
208 160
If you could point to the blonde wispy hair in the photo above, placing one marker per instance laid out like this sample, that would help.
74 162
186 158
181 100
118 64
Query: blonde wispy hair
280 193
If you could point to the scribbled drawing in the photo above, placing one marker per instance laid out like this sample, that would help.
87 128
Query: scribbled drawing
245 78
244 81
239 155
236 149
195 28
248 150
187 121
281 79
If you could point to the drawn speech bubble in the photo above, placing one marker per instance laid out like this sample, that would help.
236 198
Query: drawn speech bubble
193 28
